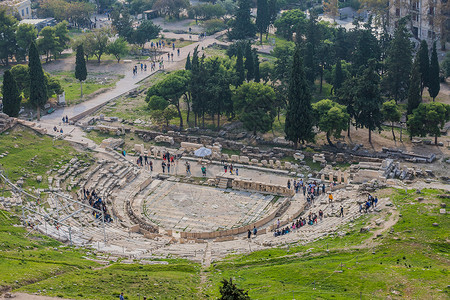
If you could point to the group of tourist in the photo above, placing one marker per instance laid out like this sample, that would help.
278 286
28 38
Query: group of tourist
371 202
145 162
96 202
230 168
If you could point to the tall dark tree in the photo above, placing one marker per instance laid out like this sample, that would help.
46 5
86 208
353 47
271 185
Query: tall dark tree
242 25
196 85
8 26
368 100
80 67
262 17
187 66
38 87
424 65
240 71
249 62
299 114
399 63
347 96
11 95
256 65
310 49
338 79
414 93
367 48
433 77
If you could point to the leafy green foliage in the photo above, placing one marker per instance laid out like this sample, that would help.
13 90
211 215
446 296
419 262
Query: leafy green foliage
11 95
242 26
119 47
254 103
229 291
429 119
25 35
434 84
8 25
288 23
391 113
415 87
145 32
424 65
332 118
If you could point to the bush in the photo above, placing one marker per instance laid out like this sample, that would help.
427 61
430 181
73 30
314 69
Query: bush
214 25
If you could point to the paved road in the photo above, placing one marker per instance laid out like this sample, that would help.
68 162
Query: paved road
126 84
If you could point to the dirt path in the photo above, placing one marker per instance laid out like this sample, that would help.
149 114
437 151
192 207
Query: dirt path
23 296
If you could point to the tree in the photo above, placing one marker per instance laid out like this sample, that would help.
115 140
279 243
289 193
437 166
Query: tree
288 23
331 8
249 62
414 92
188 66
242 26
338 79
171 8
256 65
399 63
48 42
122 23
391 113
254 103
80 68
282 73
424 65
240 71
11 95
229 291
266 70
88 42
446 65
25 35
197 81
332 118
367 48
433 78
100 37
21 75
62 36
118 48
429 119
38 88
171 88
214 25
299 115
145 32
368 100
347 97
262 17
8 25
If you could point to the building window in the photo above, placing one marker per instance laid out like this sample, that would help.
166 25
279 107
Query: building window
431 10
23 13
27 12
397 12
430 22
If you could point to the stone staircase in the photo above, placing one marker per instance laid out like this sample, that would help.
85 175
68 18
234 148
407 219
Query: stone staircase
223 183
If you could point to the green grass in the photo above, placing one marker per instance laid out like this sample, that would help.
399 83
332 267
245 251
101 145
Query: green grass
92 84
413 265
32 154
230 151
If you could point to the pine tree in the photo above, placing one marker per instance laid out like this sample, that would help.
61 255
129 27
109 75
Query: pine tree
11 95
229 291
242 26
38 87
399 63
433 77
262 17
195 85
249 61
424 64
256 65
240 71
338 76
187 66
299 115
368 100
80 67
414 93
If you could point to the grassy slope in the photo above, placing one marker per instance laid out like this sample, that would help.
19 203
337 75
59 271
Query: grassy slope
414 264
23 145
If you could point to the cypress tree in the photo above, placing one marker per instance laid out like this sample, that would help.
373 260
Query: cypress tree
240 68
424 64
195 85
338 76
299 115
187 66
11 95
433 78
399 63
249 61
242 26
38 87
256 65
262 17
414 93
80 67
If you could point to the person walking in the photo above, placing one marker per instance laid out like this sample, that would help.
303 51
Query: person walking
249 234
342 212
255 231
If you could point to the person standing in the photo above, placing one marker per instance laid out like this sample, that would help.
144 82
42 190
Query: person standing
342 212
255 231
249 234
121 296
